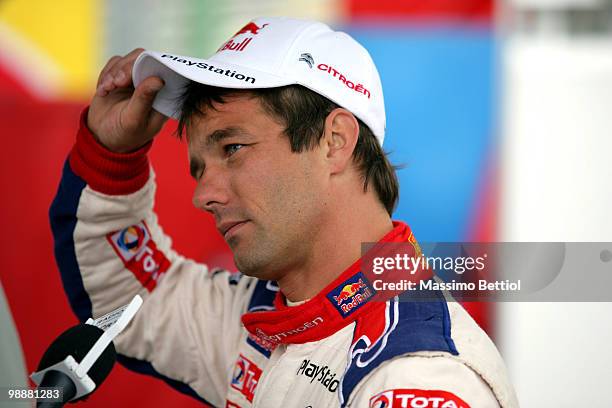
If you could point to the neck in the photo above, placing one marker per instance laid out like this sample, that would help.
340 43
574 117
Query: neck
337 246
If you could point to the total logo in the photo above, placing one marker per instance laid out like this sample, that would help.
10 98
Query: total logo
139 253
245 377
413 398
351 294
239 45
131 239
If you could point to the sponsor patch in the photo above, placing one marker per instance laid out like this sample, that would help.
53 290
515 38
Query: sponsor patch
322 374
140 254
209 67
307 58
270 341
235 44
351 294
245 377
359 88
414 398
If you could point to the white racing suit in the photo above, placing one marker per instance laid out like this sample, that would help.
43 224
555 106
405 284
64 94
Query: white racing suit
230 340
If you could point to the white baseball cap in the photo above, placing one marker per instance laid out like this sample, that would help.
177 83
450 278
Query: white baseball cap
273 52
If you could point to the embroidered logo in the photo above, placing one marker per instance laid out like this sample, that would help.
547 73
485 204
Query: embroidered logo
351 294
140 254
414 398
233 44
245 377
359 88
322 374
307 58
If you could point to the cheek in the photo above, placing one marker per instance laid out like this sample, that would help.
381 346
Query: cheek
269 186
256 183
297 189
279 190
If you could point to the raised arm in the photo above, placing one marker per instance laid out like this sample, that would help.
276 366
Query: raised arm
109 246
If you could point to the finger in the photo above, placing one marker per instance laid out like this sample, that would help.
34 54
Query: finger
105 87
118 75
107 67
102 87
122 71
141 103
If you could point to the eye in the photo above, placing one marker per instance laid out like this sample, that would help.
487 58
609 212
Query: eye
232 148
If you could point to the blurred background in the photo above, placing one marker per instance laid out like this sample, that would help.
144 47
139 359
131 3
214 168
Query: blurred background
501 113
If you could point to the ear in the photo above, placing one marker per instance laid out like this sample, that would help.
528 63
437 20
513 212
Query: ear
339 139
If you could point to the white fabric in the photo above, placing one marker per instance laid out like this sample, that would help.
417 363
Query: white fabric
274 52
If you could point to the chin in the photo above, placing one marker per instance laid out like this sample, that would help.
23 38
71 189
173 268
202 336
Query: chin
245 264
251 266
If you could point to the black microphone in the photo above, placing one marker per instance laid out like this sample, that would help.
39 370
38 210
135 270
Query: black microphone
77 341
81 358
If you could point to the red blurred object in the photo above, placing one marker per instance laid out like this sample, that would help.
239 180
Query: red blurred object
483 228
419 9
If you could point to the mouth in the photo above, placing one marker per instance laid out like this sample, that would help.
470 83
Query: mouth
227 229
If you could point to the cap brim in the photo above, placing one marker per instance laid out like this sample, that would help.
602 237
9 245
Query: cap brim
176 71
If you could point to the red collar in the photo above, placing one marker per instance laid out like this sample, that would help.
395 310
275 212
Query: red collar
343 301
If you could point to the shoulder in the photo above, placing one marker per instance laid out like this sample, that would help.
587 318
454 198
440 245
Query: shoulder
408 345
398 328
424 380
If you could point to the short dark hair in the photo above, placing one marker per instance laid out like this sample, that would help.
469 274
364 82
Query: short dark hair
303 114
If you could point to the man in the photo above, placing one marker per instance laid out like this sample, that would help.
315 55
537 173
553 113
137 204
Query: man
284 126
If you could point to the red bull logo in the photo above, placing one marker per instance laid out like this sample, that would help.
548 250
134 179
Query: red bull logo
348 291
250 28
232 45
351 294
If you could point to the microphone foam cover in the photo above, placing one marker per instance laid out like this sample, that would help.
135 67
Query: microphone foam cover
77 341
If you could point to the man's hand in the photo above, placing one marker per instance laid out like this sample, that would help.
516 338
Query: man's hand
121 117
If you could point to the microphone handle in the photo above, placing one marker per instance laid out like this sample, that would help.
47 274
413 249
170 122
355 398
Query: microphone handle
57 379
49 404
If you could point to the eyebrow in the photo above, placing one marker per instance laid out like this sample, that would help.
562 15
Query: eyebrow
221 134
195 164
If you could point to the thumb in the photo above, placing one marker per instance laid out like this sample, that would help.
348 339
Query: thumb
141 103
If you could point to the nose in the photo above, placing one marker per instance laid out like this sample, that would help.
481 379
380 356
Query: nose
211 191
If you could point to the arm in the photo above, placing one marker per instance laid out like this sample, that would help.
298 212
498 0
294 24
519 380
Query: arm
109 247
